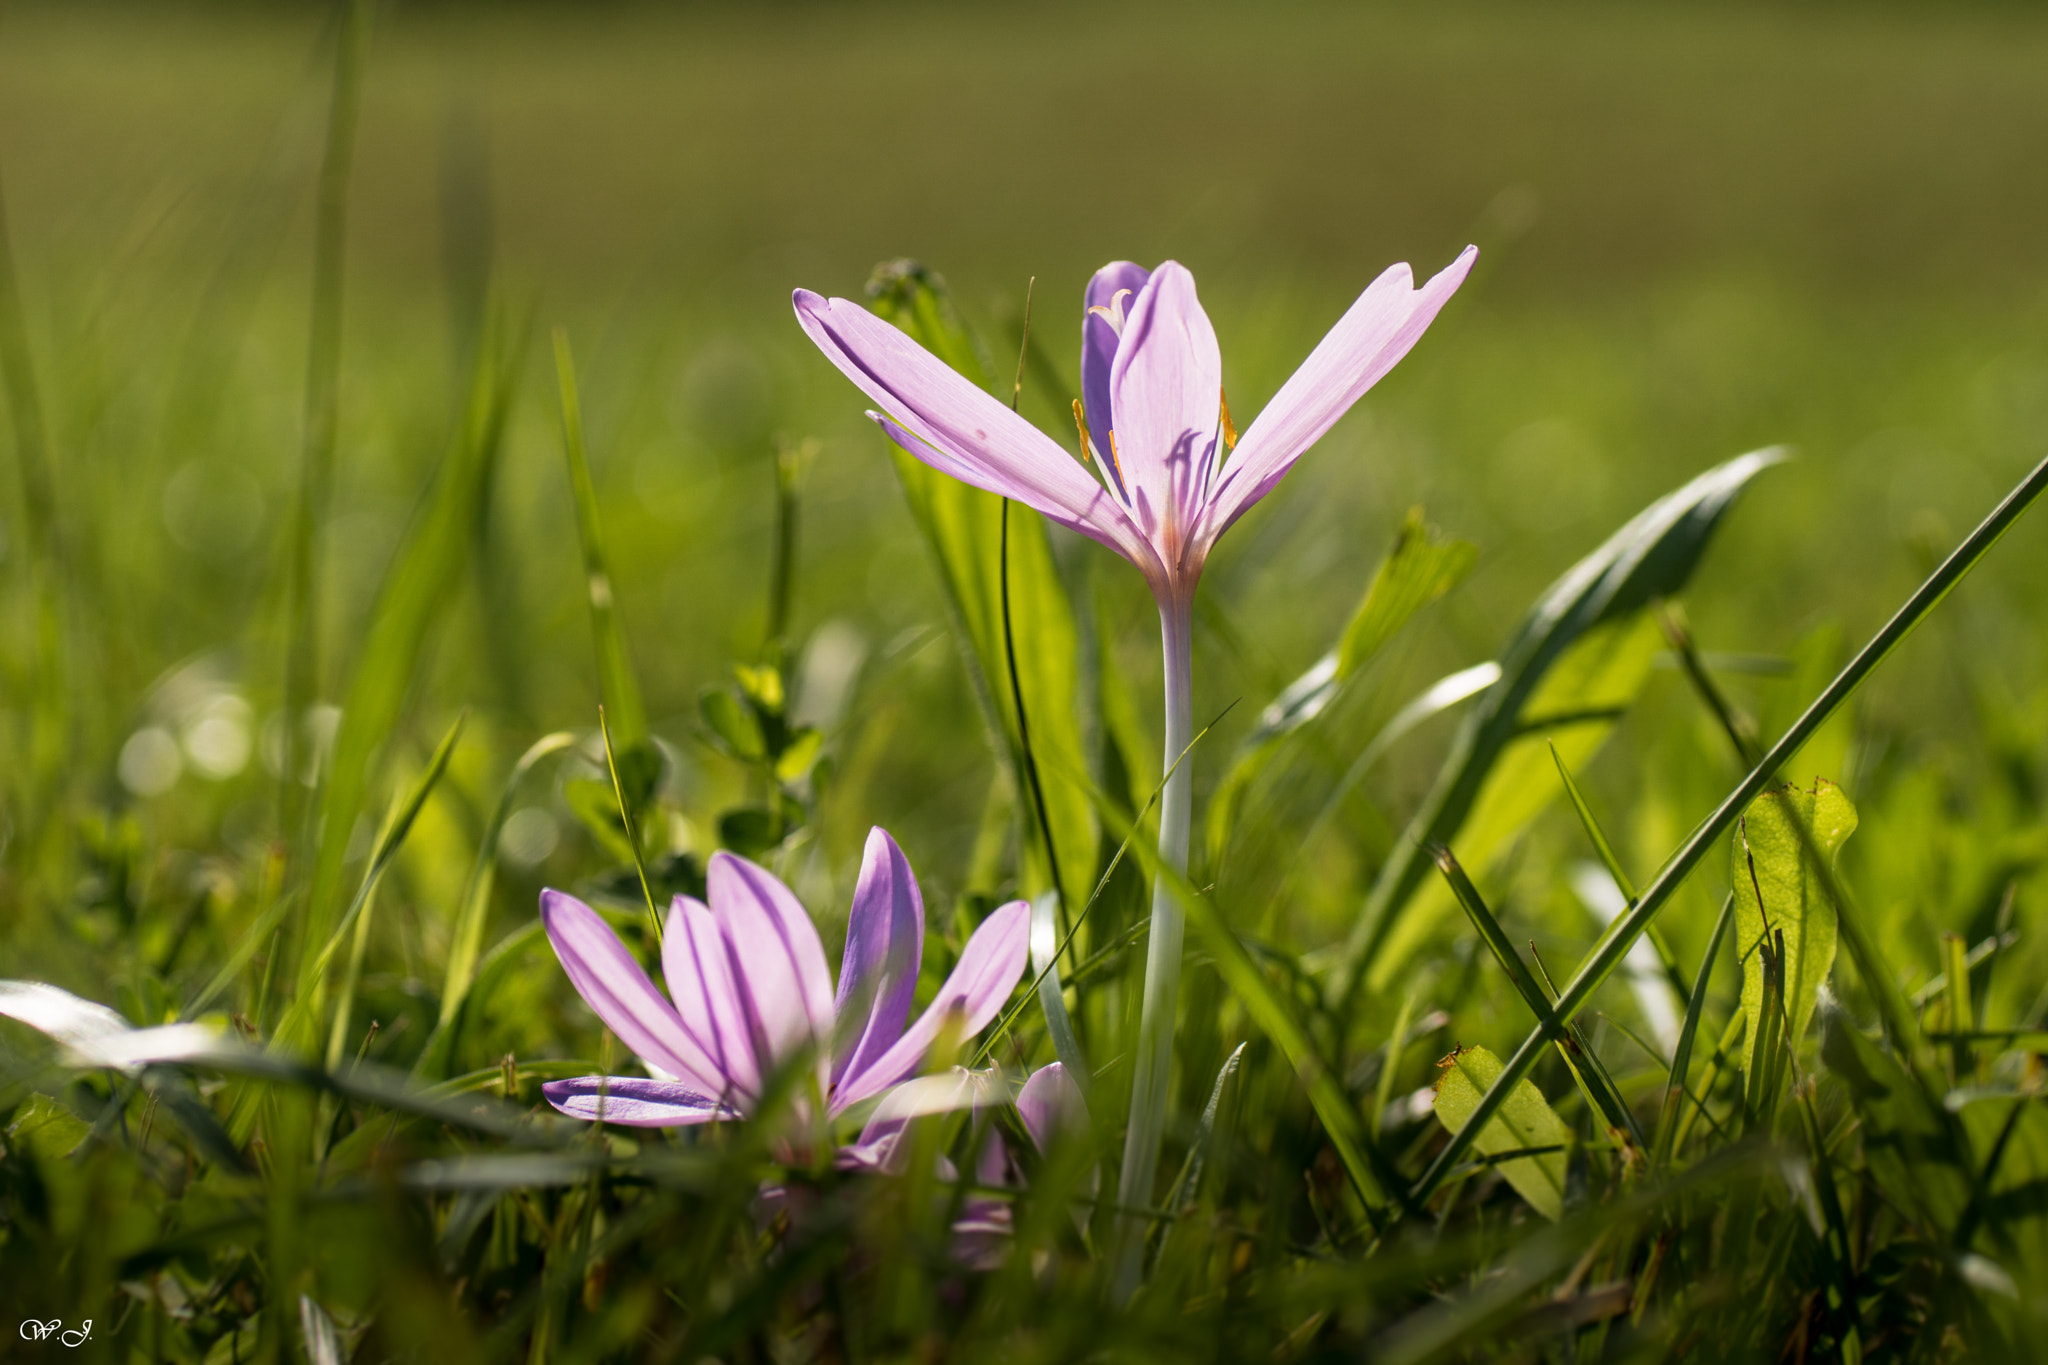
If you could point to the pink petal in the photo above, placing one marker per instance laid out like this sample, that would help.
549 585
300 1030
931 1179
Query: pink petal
1051 1106
633 1101
615 988
707 995
1098 347
1167 390
778 962
1386 321
957 427
884 949
979 984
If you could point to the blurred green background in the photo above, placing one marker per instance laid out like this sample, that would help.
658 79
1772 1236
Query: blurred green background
1704 229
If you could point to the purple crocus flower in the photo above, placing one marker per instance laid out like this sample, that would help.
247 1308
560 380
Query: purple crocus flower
749 989
1049 1103
1174 474
1173 478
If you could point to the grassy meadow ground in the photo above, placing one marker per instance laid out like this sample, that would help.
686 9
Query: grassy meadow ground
1704 230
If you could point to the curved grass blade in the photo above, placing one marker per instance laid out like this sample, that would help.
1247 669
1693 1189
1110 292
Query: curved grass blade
1576 661
617 684
1929 595
1681 1058
466 942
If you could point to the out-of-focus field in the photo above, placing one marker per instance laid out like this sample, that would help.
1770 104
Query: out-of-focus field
1703 231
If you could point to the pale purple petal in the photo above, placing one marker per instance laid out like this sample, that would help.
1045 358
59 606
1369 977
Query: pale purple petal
959 428
1051 1106
1098 347
776 956
1381 327
884 949
619 993
974 993
707 995
633 1101
1167 390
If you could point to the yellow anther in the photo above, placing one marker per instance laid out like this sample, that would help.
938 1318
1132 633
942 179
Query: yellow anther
1081 425
1229 430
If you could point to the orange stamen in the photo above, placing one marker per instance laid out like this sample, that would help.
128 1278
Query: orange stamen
1229 430
1081 425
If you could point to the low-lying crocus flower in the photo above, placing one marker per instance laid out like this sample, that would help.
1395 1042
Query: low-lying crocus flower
1174 476
749 990
1049 1103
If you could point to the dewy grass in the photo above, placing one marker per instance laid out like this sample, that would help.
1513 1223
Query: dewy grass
396 1184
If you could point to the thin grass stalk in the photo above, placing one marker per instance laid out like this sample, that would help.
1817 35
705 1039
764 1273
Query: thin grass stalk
1154 1060
323 381
1609 954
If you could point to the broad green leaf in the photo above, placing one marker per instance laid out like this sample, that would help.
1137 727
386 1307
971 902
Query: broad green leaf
1774 844
1421 567
1526 1121
1574 665
418 587
964 527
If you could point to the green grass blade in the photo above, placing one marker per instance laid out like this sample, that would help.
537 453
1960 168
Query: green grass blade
987 575
617 684
466 941
1596 835
1929 595
1571 1044
1688 1030
322 411
389 840
1577 660
417 591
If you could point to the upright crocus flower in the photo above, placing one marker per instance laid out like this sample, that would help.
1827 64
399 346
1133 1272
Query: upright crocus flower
749 990
1173 476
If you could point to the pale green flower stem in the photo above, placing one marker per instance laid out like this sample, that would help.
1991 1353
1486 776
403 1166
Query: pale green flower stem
1150 1091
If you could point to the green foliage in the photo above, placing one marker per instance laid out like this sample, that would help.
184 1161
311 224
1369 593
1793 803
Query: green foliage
1525 1124
1780 898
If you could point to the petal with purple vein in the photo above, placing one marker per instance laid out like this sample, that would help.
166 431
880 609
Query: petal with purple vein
633 1101
884 949
618 991
975 991
1372 336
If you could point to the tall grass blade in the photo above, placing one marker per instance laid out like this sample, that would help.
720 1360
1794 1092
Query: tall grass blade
418 588
1574 664
1929 595
322 410
964 528
1572 1047
617 684
466 939
1688 1030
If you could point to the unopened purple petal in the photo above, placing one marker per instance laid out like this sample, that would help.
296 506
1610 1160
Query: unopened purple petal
974 993
1167 391
884 949
1370 339
619 993
633 1101
1098 346
959 428
777 959
1051 1106
707 995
